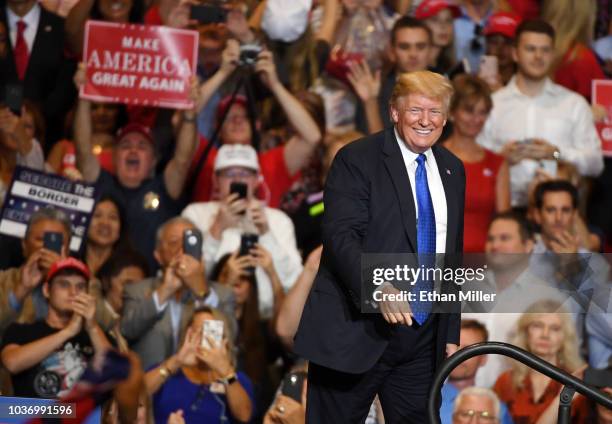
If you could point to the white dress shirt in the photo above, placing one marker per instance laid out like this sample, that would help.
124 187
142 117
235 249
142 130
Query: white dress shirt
279 241
557 115
31 19
436 189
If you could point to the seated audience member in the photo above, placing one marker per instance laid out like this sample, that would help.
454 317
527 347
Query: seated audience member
18 144
279 166
487 185
47 357
21 297
439 16
533 397
500 34
147 200
106 233
106 119
600 378
549 123
476 402
224 222
122 268
156 310
576 65
290 310
201 379
464 376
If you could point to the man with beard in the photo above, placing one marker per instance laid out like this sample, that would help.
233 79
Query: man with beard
535 122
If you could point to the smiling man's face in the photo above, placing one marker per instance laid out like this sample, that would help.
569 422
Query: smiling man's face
134 159
419 120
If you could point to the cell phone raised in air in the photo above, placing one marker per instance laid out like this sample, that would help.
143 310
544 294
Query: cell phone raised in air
240 188
247 242
293 384
212 328
208 14
53 241
192 243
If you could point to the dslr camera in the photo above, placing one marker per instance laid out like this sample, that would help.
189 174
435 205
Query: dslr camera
248 54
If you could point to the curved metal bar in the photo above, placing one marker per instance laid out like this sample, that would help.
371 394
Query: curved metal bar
518 354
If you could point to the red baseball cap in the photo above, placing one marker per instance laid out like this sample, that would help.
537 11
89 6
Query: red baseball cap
68 263
135 127
503 23
224 104
429 8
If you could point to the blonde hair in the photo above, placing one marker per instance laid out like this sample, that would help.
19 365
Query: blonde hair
573 21
567 357
426 83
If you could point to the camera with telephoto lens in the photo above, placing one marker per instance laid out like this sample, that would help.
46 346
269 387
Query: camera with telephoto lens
248 54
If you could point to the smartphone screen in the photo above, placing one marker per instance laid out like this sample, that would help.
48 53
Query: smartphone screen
53 241
240 188
212 328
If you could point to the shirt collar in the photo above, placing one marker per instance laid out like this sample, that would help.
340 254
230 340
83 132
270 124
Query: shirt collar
550 88
31 18
408 154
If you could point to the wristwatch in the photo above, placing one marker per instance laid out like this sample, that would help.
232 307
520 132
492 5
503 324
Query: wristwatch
557 155
226 381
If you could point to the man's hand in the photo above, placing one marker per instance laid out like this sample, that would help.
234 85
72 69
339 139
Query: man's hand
170 284
258 215
46 259
85 306
564 242
266 69
539 149
191 271
74 325
514 152
31 276
451 348
365 84
229 214
395 312
286 411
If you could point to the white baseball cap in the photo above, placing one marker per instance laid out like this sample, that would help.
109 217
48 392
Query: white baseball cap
285 20
241 155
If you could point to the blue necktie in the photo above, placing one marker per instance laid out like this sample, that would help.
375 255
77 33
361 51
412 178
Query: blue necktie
426 239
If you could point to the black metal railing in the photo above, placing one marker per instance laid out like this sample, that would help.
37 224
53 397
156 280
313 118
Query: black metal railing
570 382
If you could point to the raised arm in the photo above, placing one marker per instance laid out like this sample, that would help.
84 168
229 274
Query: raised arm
331 10
86 161
229 61
300 147
177 169
75 25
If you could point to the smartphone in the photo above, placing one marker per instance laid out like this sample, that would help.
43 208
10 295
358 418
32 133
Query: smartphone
489 68
12 97
53 241
212 328
192 243
240 188
207 14
247 242
293 384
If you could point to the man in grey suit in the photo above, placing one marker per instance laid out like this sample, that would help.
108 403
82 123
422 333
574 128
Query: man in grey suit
157 310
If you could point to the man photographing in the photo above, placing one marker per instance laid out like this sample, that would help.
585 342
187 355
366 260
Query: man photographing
376 189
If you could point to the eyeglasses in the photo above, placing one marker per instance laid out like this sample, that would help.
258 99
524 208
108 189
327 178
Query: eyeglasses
476 44
466 416
236 174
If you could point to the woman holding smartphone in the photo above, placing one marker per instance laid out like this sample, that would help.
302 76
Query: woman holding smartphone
201 380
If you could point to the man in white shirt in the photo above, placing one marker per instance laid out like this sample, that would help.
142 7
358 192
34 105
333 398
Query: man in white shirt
535 122
223 223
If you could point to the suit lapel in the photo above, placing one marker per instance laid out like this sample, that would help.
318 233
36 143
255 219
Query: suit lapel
394 163
450 191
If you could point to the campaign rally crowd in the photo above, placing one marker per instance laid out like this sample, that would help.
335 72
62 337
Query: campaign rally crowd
214 212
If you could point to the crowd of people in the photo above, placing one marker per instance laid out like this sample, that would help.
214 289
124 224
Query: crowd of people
205 237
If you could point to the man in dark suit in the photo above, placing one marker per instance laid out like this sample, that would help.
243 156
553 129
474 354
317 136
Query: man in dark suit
33 57
375 190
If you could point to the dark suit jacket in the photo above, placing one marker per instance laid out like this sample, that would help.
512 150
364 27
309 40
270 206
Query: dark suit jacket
48 79
369 208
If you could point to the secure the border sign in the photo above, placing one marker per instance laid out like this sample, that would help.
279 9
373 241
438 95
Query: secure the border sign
33 190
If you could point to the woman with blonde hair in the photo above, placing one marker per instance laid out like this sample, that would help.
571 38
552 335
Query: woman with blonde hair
201 378
548 331
575 63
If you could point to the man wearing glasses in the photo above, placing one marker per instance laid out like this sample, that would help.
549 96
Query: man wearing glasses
476 405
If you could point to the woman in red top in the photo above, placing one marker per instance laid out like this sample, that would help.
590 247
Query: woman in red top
487 186
547 331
